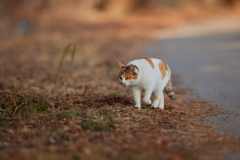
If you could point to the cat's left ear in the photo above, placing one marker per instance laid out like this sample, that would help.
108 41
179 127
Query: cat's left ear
121 65
133 68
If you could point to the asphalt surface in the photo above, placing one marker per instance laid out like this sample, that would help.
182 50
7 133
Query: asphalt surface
206 56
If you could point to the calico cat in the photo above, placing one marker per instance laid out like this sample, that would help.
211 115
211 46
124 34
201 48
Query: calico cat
151 75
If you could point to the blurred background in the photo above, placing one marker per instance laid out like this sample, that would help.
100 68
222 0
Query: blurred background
33 34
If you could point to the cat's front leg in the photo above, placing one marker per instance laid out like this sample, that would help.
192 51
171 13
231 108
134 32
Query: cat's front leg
147 96
137 97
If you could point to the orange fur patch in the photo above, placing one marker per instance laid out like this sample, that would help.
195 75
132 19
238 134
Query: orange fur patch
156 98
150 62
127 73
162 69
168 69
121 72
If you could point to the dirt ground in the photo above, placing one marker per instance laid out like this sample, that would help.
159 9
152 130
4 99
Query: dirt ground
58 109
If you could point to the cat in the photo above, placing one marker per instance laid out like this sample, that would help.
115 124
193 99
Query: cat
151 75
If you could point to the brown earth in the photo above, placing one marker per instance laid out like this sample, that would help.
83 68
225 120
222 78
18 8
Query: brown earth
85 113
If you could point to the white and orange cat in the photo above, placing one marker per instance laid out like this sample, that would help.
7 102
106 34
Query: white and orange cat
151 75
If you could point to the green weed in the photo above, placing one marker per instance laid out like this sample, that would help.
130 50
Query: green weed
96 125
106 115
80 112
99 121
47 117
90 103
62 115
115 93
72 113
20 105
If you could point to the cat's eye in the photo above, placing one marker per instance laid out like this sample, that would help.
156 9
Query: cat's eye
120 78
127 78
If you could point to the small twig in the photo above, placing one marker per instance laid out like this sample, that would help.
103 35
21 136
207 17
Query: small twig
62 58
15 110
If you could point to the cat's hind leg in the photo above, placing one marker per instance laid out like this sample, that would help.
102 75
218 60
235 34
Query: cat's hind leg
157 96
161 101
155 102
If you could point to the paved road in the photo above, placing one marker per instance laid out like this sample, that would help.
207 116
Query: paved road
207 58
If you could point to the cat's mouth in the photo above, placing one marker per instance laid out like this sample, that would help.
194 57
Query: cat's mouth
123 83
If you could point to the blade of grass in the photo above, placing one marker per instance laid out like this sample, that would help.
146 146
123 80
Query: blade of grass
62 58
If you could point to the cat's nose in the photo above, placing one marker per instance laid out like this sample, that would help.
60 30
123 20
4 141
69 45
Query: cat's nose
123 83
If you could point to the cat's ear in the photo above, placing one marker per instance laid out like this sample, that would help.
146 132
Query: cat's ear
132 67
121 65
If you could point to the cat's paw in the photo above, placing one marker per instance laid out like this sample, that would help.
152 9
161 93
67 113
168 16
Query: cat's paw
137 107
154 106
147 101
161 106
157 106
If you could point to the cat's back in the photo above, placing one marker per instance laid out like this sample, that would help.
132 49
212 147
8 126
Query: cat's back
147 64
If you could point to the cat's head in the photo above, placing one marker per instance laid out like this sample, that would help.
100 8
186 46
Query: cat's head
128 75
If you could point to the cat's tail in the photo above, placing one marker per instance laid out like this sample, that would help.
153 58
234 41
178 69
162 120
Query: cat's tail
168 90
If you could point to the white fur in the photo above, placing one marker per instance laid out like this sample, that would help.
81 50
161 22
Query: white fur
149 80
